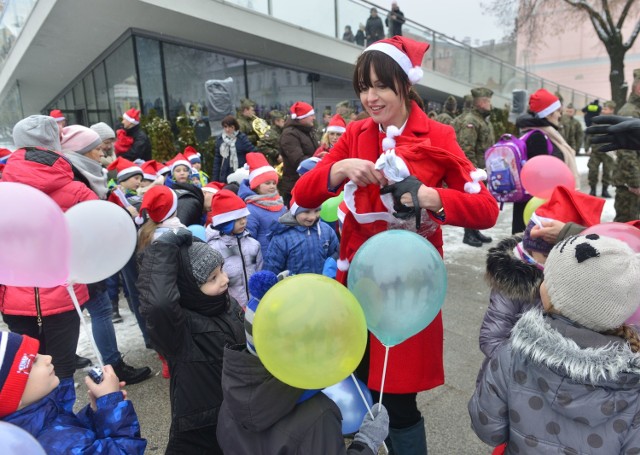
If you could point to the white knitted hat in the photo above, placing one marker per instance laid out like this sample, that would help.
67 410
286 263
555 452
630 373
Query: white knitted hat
594 281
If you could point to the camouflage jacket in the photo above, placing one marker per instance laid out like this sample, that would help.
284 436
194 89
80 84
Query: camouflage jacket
627 170
572 132
445 117
269 145
475 136
247 128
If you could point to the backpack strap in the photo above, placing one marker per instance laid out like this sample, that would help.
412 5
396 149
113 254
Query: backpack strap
526 135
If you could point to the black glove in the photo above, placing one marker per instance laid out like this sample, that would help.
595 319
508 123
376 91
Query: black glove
178 237
409 185
616 132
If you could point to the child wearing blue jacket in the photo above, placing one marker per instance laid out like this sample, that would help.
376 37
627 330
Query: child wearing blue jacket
301 242
32 398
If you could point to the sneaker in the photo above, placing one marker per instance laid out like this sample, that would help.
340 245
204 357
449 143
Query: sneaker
82 362
129 374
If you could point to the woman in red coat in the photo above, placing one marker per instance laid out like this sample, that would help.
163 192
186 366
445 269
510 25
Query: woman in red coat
383 76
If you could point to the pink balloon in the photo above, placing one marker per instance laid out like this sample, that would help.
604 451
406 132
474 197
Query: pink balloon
621 231
542 173
35 238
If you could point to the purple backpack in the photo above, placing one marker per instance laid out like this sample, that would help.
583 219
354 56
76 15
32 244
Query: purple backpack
504 161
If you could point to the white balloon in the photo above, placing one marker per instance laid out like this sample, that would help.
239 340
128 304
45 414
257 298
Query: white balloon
103 238
16 441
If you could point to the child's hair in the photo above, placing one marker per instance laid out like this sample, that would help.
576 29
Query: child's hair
145 234
629 334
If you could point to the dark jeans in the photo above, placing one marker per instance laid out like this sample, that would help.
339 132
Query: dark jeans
58 337
104 334
130 276
202 440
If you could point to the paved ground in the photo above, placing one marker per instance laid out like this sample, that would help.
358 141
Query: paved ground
445 408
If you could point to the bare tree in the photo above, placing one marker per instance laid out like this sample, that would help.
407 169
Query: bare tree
608 17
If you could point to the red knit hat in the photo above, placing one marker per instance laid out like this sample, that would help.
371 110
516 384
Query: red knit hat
57 115
300 110
227 206
132 116
179 160
213 187
150 170
160 202
259 170
191 154
17 354
126 169
405 52
337 124
542 103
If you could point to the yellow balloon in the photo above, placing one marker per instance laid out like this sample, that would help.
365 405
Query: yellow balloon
309 331
531 207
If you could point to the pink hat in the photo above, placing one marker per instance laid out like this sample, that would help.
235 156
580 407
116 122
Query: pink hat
160 202
405 52
227 206
337 124
259 170
126 169
57 115
79 139
132 116
300 109
543 103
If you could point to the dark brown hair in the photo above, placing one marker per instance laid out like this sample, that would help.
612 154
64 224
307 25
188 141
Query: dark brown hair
230 120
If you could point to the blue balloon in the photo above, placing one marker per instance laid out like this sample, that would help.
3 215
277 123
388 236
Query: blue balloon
346 396
400 281
198 231
16 441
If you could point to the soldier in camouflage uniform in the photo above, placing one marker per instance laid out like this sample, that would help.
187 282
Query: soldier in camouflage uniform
571 128
597 157
246 115
626 176
449 111
269 145
475 135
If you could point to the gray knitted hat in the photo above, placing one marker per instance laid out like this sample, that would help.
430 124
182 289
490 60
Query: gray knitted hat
594 281
204 260
37 131
104 131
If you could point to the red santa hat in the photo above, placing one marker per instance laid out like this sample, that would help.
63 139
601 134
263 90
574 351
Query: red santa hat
5 154
150 170
160 202
126 169
259 170
300 110
57 115
542 103
192 154
227 206
405 52
179 160
132 116
337 125
213 187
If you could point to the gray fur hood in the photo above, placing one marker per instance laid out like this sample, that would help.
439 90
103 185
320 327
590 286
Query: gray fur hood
510 276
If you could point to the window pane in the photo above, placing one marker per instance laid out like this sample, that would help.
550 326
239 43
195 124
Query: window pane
10 114
148 53
121 77
78 95
101 87
90 93
330 91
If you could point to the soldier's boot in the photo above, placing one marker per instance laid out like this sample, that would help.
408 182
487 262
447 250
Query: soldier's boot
470 238
483 238
593 190
605 193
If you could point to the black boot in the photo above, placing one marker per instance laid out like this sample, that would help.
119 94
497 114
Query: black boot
593 191
470 238
409 441
605 194
483 238
115 315
129 374
82 362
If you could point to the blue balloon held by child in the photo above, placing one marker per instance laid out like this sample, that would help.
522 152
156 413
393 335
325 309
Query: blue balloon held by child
345 394
198 231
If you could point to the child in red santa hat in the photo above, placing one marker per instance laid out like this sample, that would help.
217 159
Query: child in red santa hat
335 129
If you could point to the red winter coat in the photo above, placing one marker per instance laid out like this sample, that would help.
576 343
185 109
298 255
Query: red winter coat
417 363
52 174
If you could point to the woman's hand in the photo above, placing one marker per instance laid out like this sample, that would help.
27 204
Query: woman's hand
548 232
410 196
361 172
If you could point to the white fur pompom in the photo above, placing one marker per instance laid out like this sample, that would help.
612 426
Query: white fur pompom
393 131
138 220
478 175
246 166
388 143
343 265
293 116
415 74
472 187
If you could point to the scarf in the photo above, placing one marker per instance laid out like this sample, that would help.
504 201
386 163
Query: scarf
271 202
228 150
567 152
93 171
167 225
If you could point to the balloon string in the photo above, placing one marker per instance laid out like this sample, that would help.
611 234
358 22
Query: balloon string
384 371
87 332
366 403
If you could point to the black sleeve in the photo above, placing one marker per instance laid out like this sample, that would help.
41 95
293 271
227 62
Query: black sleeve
189 210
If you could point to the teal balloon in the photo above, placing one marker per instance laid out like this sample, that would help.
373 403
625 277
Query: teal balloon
198 231
400 281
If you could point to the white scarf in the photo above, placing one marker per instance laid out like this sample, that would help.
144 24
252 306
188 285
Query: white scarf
228 149
92 171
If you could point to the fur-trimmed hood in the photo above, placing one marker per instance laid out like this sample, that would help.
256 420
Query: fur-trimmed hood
509 275
570 350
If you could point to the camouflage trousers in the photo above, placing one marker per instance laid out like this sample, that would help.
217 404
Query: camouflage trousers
595 159
627 205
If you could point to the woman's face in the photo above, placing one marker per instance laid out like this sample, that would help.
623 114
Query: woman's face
333 138
382 104
95 154
181 174
554 117
229 130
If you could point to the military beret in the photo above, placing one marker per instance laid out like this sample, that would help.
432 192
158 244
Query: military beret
609 104
481 92
274 114
344 103
246 103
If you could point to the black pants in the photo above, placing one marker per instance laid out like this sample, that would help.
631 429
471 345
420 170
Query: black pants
517 222
58 337
201 441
